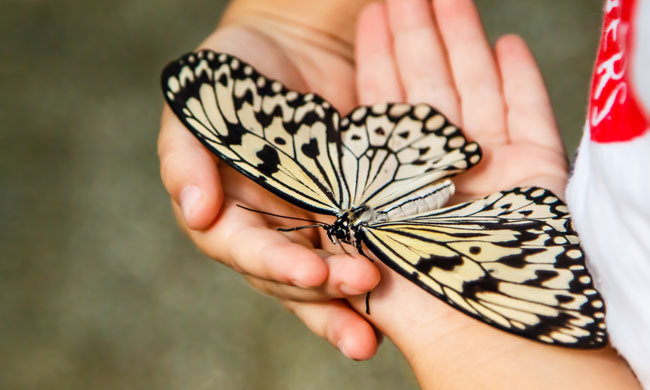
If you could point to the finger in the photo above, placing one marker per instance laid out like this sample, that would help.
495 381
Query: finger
336 322
530 116
348 276
241 240
474 70
377 79
421 57
188 172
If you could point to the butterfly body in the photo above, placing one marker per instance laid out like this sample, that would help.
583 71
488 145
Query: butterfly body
511 259
351 222
346 227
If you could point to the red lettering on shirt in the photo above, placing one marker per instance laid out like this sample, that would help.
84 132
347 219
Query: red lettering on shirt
614 112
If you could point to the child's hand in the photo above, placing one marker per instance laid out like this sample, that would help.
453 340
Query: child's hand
205 191
410 51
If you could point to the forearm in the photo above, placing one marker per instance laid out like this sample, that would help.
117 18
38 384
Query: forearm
507 362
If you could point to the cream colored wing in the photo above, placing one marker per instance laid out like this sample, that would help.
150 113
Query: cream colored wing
394 151
511 260
285 141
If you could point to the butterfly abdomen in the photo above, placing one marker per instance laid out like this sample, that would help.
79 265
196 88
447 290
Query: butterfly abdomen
428 198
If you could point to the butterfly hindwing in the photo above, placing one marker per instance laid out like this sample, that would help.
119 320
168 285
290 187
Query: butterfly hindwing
392 150
511 259
285 141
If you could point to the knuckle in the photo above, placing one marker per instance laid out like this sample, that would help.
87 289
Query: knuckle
169 154
170 158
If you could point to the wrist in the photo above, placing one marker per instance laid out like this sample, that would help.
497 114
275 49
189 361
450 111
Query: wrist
447 349
482 357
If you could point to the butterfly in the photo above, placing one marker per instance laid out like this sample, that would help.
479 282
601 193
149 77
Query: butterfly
511 259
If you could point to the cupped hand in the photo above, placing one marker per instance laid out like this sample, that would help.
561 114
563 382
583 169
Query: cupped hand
205 192
436 52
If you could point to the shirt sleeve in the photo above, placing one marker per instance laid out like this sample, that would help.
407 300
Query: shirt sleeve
609 190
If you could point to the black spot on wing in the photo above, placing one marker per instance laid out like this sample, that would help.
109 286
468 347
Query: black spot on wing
310 118
264 119
234 136
485 283
310 149
223 79
291 127
564 261
333 136
247 98
564 298
270 160
277 112
514 261
295 103
425 265
541 276
549 324
518 260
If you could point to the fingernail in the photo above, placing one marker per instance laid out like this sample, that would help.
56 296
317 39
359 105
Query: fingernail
341 348
347 290
189 198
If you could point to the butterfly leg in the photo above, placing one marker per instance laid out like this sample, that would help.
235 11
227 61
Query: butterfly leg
360 249
361 252
368 303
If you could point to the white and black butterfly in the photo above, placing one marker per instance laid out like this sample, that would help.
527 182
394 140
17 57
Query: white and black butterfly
511 260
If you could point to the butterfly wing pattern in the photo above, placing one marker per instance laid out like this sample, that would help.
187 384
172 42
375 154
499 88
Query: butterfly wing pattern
285 141
390 151
511 260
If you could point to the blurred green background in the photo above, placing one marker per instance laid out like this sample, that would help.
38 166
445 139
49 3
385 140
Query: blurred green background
98 288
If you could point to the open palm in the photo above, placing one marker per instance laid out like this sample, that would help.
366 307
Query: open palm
205 192
402 55
437 53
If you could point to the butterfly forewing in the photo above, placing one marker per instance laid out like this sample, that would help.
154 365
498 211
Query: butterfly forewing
285 141
510 259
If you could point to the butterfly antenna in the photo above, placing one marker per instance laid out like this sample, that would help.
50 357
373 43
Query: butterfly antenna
317 223
302 227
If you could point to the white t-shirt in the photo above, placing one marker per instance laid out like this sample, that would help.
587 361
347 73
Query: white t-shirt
609 190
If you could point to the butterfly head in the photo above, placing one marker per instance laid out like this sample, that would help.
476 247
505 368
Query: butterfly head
348 223
339 231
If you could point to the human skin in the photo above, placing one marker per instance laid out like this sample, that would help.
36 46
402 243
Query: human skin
406 50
